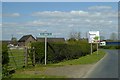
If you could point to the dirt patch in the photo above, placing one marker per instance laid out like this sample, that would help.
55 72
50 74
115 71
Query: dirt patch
69 71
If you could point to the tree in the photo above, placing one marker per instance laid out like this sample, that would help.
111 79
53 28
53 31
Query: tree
14 40
96 38
78 36
113 36
75 36
102 38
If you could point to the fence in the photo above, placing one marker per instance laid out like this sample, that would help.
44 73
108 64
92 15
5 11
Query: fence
19 58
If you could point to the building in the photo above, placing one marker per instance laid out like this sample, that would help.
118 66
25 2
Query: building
50 39
26 40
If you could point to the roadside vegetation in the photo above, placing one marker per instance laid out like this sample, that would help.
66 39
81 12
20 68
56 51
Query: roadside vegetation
110 47
58 54
5 61
33 72
88 59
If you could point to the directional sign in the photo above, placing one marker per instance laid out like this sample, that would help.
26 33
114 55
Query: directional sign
94 37
45 34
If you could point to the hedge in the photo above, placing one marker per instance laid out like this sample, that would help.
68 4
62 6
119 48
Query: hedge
5 57
110 47
5 61
57 52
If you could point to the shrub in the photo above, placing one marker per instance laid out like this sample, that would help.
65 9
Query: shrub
110 47
57 52
5 57
5 61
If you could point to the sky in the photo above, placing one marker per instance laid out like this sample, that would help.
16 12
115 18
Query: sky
58 18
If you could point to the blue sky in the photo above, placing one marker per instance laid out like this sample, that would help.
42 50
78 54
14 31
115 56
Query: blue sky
59 18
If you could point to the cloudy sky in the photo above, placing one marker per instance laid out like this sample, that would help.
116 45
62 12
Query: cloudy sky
59 18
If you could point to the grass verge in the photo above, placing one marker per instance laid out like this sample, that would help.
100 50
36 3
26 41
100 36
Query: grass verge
29 72
89 59
34 76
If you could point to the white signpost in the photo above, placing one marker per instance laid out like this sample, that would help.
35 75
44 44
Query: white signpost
94 37
45 34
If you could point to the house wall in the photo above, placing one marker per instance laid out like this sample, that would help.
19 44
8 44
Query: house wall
29 40
22 44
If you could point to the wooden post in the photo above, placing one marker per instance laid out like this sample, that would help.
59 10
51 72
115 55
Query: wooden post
91 48
26 57
97 48
33 56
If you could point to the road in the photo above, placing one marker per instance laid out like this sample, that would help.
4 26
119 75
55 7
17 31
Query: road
106 67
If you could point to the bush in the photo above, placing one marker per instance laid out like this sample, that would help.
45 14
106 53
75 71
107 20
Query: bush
110 47
5 57
5 61
57 52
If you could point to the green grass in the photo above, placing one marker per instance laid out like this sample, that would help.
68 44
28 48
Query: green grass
25 73
89 59
18 57
34 76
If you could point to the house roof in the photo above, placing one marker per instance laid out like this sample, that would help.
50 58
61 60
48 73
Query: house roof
51 39
25 37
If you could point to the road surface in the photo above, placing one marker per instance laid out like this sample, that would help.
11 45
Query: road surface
106 67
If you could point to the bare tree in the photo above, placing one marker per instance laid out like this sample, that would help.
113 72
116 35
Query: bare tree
78 36
75 35
113 36
102 38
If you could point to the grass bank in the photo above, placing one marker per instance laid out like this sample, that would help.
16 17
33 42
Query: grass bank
35 76
88 59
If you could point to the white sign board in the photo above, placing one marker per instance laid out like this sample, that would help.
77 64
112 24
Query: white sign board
94 37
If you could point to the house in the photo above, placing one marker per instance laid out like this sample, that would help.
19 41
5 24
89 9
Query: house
26 40
50 39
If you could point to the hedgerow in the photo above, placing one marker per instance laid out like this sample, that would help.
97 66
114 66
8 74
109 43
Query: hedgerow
5 61
57 52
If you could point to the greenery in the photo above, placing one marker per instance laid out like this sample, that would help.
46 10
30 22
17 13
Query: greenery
110 47
88 59
57 52
5 57
11 60
5 61
16 58
35 76
29 71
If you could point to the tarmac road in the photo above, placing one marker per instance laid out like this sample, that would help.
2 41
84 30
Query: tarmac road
106 67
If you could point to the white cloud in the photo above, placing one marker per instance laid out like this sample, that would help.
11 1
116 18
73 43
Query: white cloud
11 15
20 33
100 8
80 13
61 23
60 14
